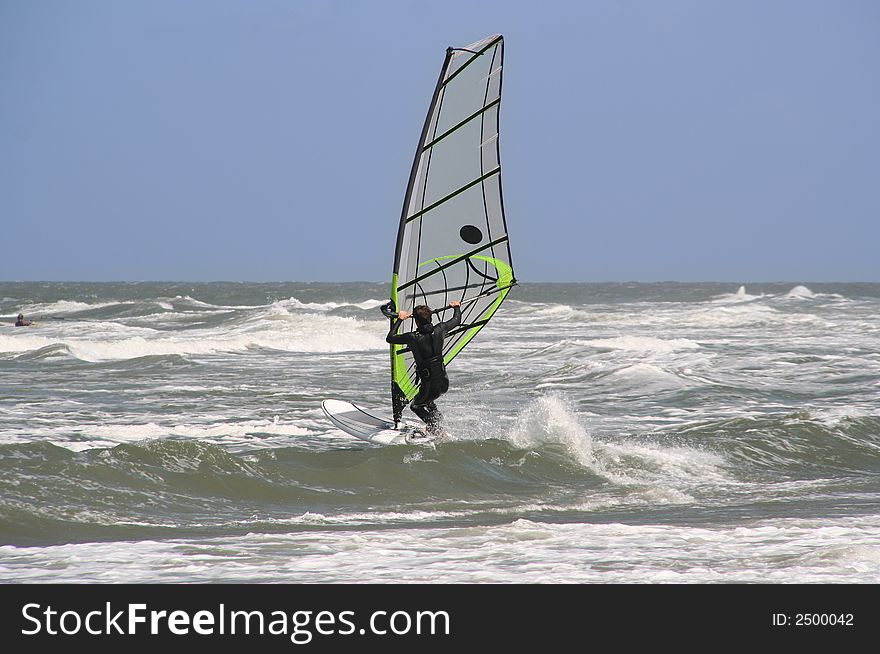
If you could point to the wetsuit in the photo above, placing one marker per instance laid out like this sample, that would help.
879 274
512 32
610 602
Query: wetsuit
426 345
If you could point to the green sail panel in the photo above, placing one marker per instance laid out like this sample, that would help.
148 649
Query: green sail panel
452 241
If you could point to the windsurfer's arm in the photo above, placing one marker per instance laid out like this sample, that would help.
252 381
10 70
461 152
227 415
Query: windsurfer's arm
455 321
393 337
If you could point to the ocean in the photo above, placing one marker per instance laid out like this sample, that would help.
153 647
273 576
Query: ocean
601 433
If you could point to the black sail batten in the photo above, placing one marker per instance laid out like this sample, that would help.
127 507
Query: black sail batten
456 192
459 259
472 59
452 130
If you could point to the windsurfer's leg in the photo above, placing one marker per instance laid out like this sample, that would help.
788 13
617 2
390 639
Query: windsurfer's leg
421 410
435 419
423 404
419 402
430 415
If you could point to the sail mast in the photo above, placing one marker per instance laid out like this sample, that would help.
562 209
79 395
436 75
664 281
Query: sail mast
398 397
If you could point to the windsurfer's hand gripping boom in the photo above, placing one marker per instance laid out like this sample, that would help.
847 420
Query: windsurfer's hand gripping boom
388 310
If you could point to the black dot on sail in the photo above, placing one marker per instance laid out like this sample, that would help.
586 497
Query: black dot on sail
471 234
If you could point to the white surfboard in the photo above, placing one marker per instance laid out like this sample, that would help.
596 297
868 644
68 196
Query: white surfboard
362 424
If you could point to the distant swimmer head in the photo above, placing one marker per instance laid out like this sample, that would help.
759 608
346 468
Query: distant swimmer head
422 314
21 316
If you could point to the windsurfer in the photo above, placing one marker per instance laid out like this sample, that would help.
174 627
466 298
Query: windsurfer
426 345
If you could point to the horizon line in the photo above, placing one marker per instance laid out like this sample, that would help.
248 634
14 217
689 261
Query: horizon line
364 281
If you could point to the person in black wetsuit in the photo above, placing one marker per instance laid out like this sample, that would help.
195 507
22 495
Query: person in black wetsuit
426 345
21 322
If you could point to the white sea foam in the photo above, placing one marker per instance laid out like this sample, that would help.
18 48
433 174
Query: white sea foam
667 468
289 303
73 306
191 301
208 306
642 344
734 316
293 303
521 551
103 434
23 341
801 292
644 376
739 296
114 342
67 306
555 311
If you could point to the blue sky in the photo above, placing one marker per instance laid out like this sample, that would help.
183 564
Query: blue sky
271 140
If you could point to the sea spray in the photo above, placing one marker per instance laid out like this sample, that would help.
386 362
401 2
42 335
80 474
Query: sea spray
549 420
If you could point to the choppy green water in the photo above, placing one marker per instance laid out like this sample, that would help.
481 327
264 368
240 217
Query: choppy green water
603 432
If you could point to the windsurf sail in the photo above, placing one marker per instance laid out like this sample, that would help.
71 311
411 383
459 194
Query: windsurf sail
452 241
